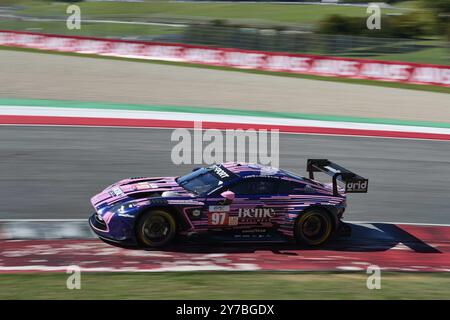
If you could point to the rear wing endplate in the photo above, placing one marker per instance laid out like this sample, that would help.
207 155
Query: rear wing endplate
353 183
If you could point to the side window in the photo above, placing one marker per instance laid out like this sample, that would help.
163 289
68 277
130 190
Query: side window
255 186
290 187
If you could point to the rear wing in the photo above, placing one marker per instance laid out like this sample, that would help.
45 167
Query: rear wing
353 182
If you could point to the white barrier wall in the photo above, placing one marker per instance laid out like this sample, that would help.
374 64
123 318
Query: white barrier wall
269 61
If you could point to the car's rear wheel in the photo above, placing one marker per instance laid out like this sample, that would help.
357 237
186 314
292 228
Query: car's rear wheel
156 228
313 227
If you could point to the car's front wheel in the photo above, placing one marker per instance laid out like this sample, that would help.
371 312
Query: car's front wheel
156 228
314 227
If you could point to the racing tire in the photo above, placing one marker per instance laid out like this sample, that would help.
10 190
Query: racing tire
155 229
313 228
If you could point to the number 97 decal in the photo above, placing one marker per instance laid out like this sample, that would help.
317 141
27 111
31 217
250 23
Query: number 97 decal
222 219
218 218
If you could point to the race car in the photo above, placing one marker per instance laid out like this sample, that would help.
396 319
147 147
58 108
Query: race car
227 202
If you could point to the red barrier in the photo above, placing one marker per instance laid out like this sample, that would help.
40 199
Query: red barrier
269 61
157 123
391 247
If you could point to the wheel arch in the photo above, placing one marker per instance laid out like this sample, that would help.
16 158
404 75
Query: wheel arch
177 215
325 234
329 209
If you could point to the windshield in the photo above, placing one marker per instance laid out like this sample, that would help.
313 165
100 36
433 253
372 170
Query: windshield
200 181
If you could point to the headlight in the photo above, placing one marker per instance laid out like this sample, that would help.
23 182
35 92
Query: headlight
123 208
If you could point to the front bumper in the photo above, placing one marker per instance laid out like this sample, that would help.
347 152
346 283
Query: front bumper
103 231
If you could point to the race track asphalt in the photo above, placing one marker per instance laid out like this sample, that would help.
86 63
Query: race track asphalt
51 172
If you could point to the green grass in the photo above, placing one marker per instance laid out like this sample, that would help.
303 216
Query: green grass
276 13
266 13
430 55
418 51
425 51
89 29
407 4
429 88
223 285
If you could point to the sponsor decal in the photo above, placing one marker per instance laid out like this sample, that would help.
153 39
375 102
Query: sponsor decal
186 201
257 230
233 221
288 63
203 55
245 59
220 172
400 72
354 68
218 219
335 67
142 186
162 52
222 219
248 234
256 214
117 191
219 208
431 75
145 186
356 186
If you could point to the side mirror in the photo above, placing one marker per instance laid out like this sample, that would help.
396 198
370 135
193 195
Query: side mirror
228 196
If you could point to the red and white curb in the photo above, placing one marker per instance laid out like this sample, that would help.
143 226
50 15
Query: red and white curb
393 247
18 115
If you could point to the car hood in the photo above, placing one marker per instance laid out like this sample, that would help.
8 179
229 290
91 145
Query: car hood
139 188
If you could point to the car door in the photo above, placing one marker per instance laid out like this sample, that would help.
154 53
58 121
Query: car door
251 206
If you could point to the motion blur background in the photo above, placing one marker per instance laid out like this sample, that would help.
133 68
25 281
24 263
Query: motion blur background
413 31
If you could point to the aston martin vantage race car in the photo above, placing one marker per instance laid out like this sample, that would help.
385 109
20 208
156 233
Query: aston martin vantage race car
227 202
